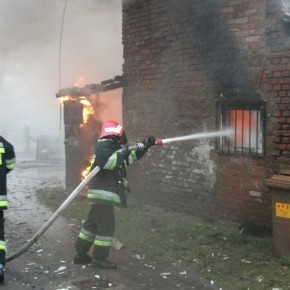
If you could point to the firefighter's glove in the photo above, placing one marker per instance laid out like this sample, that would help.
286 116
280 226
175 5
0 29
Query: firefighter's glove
125 152
149 142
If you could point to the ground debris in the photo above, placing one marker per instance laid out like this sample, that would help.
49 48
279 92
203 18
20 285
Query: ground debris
94 283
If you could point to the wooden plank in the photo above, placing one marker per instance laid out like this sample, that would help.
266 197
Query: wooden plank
279 181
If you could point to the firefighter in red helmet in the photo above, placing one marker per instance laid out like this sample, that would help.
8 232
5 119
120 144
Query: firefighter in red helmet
106 190
7 163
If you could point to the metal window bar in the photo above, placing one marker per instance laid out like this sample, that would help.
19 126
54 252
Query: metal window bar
228 126
236 130
250 135
243 125
259 125
252 118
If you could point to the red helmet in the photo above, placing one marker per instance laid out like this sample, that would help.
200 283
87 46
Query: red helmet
113 128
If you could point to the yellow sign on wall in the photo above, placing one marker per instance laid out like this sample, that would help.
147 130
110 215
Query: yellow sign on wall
283 210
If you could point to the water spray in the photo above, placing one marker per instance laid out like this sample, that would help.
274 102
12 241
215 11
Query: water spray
94 172
194 136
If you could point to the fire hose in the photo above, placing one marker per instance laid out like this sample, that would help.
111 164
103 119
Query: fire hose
94 172
62 207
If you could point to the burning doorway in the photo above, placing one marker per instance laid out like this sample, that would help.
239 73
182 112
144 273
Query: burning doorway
84 110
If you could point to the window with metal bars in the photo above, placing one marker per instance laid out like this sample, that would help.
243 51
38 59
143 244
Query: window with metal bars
246 119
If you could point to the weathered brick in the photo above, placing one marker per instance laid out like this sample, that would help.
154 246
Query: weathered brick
285 87
277 74
176 63
286 113
276 87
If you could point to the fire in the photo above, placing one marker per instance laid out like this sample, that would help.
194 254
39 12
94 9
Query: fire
86 171
245 122
65 98
87 109
80 82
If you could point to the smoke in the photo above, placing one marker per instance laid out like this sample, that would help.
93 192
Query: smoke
286 7
33 67
128 2
109 106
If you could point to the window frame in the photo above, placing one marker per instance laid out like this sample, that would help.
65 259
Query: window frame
223 144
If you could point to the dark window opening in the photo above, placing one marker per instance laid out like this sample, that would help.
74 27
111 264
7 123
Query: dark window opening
246 119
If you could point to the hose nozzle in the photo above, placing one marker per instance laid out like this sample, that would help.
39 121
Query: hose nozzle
158 142
136 146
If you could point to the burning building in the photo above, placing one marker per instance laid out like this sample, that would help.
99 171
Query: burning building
198 66
84 110
191 67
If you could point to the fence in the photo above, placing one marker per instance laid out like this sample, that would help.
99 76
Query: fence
48 147
27 143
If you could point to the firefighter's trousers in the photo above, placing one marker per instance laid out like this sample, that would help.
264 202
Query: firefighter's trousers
2 240
98 231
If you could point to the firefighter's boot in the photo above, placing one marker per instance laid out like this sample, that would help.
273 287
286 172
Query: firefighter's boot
1 275
82 259
82 247
103 264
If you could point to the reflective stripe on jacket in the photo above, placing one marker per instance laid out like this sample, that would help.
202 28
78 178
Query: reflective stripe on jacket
104 188
7 163
107 197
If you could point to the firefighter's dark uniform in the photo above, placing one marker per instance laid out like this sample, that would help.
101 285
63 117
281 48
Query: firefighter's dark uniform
7 163
105 191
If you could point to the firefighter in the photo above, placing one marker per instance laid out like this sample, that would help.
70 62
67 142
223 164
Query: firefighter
106 190
7 163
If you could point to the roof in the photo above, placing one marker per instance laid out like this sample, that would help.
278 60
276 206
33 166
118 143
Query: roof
107 85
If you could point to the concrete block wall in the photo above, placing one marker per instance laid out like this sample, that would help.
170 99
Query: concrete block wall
180 57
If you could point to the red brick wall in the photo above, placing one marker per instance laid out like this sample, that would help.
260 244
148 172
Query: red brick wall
277 84
243 194
180 57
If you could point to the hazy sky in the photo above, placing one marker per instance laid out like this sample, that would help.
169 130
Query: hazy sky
91 48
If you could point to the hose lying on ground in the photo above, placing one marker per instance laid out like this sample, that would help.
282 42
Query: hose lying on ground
56 214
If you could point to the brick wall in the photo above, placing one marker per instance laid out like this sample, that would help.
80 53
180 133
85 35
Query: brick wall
277 83
180 57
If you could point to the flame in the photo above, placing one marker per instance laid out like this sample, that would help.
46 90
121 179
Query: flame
65 98
86 171
88 109
80 82
245 124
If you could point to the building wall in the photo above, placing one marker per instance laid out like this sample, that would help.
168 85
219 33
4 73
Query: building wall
180 57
